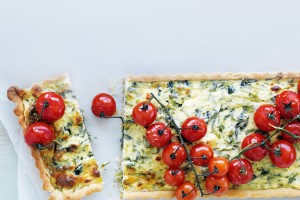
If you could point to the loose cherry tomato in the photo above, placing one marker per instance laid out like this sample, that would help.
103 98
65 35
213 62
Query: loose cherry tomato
186 191
193 129
144 113
218 185
201 154
294 128
174 154
218 166
288 104
50 106
39 133
283 154
158 135
256 153
103 105
240 171
265 115
174 176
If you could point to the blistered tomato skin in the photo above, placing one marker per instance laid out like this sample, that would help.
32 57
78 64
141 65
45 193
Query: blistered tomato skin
293 128
50 106
193 129
174 154
158 135
265 115
257 153
201 154
186 191
240 171
288 104
144 113
103 105
39 133
283 154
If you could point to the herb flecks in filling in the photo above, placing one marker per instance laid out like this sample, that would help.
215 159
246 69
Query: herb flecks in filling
226 106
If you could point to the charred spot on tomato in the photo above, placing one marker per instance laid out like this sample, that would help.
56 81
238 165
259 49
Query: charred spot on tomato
65 181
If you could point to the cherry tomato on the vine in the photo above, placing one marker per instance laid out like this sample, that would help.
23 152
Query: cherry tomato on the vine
174 154
39 133
144 113
158 135
174 176
265 115
288 104
186 191
193 129
283 154
103 105
201 154
240 171
50 106
294 128
218 185
218 166
256 153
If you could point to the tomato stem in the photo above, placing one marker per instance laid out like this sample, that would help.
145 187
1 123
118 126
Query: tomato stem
103 116
178 132
263 143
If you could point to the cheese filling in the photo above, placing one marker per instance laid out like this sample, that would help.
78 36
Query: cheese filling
69 160
227 106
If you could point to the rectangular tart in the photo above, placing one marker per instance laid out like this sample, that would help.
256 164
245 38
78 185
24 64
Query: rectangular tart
67 167
227 102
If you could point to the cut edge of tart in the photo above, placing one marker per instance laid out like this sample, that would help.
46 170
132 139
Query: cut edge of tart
91 180
232 192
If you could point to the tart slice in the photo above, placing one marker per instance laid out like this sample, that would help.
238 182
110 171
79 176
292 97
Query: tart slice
227 103
67 164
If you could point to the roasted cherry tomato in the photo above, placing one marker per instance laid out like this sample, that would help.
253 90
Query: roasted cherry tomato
218 166
265 115
294 128
218 185
193 129
103 105
288 104
144 113
158 135
174 176
256 153
240 171
39 133
174 154
201 154
50 106
283 154
186 191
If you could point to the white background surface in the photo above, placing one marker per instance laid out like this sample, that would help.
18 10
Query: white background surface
98 42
